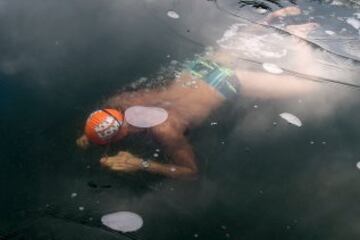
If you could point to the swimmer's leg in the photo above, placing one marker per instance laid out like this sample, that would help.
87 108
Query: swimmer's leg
270 86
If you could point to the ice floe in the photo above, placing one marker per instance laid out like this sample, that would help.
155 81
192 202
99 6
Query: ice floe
291 118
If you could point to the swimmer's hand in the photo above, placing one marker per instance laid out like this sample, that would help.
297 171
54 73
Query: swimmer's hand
287 11
283 12
122 162
82 142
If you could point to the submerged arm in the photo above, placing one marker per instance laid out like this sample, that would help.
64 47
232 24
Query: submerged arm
176 146
180 152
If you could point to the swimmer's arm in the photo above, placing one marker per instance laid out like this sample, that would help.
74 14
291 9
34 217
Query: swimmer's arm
171 170
180 152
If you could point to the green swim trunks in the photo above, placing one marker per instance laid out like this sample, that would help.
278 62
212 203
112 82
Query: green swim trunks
220 78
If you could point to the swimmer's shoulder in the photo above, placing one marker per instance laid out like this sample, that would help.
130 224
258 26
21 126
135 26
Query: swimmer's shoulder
171 128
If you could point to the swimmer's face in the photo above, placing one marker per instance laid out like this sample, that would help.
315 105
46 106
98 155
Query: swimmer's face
123 132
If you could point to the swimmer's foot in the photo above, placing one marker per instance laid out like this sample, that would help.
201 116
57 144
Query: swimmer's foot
283 12
123 162
302 30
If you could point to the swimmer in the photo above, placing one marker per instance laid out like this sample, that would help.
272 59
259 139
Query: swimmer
202 87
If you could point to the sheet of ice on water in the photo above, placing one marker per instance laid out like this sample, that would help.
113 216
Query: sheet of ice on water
122 221
145 117
258 45
291 118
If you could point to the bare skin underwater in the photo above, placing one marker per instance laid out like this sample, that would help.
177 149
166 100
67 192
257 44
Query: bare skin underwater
188 107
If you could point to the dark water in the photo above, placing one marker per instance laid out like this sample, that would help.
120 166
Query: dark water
259 180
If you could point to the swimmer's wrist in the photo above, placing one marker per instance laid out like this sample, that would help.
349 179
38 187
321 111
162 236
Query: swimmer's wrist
145 164
152 166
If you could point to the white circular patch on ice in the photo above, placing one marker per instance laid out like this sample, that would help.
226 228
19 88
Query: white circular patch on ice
290 118
329 32
173 14
272 68
145 117
123 221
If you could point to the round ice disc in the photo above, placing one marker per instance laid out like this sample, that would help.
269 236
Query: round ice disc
145 117
358 165
173 14
290 118
122 221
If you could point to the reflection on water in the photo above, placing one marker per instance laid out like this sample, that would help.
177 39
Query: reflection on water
238 71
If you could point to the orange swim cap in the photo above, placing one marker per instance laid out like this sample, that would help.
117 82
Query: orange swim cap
103 125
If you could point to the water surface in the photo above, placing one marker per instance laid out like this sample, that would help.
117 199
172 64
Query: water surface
261 178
